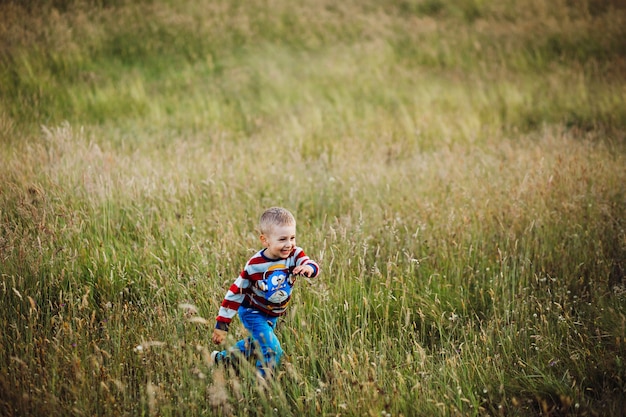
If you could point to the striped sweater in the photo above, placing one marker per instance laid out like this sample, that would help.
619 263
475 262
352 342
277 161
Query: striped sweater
264 284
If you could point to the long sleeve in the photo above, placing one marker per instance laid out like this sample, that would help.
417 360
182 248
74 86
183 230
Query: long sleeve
302 259
233 299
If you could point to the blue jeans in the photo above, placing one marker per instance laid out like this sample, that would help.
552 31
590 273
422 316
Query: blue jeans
261 327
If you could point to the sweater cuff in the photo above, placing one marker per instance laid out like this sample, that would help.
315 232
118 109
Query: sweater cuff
220 325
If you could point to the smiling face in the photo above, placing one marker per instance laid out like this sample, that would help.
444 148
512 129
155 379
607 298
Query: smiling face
279 241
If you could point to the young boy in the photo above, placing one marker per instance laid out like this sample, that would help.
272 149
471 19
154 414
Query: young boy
262 291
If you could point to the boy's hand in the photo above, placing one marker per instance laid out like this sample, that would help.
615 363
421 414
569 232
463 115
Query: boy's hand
219 336
306 270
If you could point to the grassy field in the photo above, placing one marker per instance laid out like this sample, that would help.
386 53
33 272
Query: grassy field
457 168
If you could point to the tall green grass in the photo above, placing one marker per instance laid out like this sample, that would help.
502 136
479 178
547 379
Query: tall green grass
457 168
234 66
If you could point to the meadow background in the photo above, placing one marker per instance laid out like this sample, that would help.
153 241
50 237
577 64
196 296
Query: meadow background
458 169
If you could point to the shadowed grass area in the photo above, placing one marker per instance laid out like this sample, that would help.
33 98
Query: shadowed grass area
457 168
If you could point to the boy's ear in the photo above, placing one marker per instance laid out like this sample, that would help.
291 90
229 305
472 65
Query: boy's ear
263 240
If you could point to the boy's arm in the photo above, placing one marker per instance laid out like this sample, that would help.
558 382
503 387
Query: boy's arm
228 309
305 265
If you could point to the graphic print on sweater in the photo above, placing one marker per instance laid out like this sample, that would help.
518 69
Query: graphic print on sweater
276 284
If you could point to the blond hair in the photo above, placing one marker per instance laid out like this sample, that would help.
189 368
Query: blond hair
275 216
